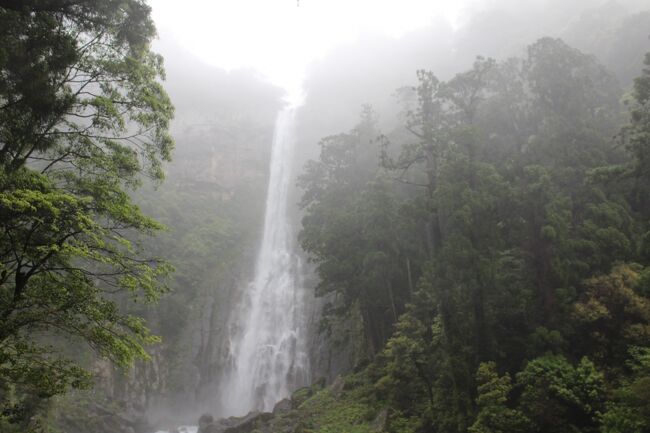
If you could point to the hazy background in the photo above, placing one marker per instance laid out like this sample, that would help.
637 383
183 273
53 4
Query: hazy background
338 55
231 65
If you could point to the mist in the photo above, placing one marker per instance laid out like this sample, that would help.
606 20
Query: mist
308 217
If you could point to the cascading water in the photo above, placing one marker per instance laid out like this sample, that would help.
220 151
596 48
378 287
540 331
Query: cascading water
268 353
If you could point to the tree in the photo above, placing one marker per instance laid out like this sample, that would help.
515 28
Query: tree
612 316
636 174
351 229
494 415
508 192
557 396
629 410
82 117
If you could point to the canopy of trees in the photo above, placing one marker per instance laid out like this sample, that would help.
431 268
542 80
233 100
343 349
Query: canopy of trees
496 247
82 117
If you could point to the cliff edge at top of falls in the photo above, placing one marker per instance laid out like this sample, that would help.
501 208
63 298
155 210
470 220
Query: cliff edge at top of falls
347 405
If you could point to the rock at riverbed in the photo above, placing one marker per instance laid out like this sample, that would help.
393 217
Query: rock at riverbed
207 425
254 421
283 406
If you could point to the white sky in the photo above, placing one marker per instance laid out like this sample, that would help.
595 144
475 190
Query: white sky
279 38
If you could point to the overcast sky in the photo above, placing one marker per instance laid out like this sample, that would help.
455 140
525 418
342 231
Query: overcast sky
279 37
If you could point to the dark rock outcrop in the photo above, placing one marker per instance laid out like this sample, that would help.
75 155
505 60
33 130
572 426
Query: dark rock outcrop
254 421
206 424
283 406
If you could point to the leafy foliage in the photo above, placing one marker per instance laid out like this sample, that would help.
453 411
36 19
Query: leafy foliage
523 231
82 118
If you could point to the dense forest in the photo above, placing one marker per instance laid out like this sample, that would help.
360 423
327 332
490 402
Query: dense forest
495 247
475 244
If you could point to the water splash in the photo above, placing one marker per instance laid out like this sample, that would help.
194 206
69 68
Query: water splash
182 429
268 353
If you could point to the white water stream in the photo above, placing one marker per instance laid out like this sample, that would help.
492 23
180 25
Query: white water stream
267 347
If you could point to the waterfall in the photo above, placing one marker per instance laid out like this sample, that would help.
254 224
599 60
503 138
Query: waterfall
267 335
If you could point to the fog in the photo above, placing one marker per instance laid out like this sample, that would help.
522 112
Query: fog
229 88
340 56
395 216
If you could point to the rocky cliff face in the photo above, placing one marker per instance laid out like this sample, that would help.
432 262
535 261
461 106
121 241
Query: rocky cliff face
212 203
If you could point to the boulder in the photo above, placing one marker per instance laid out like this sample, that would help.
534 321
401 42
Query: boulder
283 406
206 424
252 421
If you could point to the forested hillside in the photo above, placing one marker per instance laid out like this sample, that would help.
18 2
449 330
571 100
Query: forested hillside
495 248
435 242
